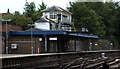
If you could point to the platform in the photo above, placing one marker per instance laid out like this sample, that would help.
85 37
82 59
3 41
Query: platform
50 54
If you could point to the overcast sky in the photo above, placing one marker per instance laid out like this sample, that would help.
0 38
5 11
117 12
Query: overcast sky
18 5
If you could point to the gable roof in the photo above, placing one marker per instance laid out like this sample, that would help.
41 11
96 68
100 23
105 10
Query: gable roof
56 8
45 20
35 29
42 20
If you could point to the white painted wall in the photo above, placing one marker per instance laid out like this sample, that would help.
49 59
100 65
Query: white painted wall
42 25
63 20
48 16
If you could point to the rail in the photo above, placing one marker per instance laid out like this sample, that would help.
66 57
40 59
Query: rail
54 59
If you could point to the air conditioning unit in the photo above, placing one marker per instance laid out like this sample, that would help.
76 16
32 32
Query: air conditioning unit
14 46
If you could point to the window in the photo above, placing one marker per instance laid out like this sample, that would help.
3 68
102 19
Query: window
53 15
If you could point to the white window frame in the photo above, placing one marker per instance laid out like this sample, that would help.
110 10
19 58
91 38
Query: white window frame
53 15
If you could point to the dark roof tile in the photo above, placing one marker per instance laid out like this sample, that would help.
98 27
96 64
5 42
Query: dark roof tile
45 20
56 8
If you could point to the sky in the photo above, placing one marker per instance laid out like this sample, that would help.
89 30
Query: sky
18 5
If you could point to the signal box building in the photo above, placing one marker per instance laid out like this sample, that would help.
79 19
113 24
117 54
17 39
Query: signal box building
60 16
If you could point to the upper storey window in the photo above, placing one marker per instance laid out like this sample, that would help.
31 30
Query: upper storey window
53 15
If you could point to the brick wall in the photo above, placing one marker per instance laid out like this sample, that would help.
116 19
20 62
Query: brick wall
11 27
24 45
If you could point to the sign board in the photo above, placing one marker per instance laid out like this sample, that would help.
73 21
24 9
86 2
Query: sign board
53 38
14 46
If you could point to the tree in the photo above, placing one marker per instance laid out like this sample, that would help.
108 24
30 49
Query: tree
117 25
102 16
30 11
86 17
18 20
17 13
41 7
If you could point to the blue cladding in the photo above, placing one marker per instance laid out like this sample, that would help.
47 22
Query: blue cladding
83 35
51 32
36 32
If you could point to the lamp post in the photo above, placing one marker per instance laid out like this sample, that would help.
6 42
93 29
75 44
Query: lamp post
32 50
6 34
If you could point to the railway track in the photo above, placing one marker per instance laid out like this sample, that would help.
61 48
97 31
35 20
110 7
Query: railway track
85 63
110 63
82 60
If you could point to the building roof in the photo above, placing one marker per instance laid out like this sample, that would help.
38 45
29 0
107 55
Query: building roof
8 12
43 19
56 8
52 33
35 29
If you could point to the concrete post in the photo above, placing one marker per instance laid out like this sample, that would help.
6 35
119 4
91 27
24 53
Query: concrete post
45 43
90 45
32 51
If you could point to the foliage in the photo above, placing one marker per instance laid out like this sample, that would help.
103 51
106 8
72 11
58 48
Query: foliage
30 10
17 13
40 8
101 18
29 16
85 17
18 19
117 25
